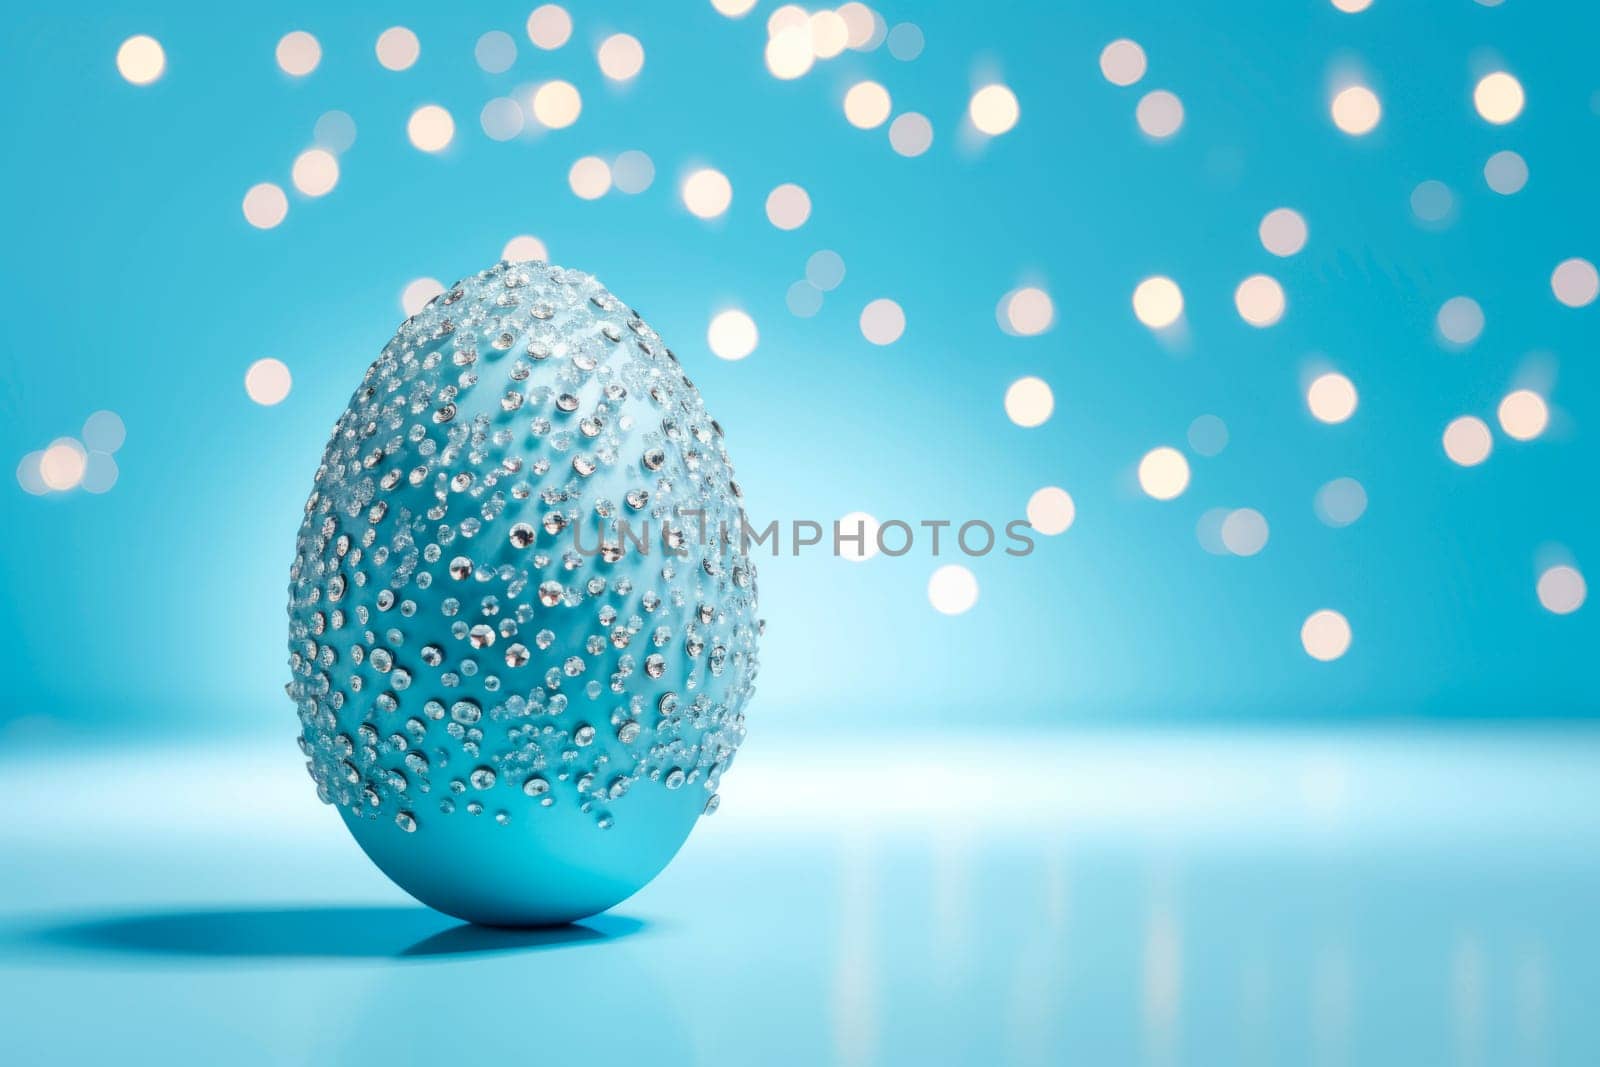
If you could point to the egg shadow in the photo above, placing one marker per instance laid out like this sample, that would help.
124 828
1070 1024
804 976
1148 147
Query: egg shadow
316 932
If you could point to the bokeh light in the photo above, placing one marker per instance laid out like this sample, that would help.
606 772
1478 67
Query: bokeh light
495 52
1164 473
431 128
1158 302
1340 502
803 299
867 105
707 193
906 41
1523 414
315 172
1159 114
1498 97
1122 62
267 382
502 118
883 321
1506 172
1051 510
732 334
1562 589
1433 203
100 472
1352 7
1244 531
1029 402
952 589
1467 441
788 206
994 109
557 104
335 131
1259 299
1460 321
61 465
525 247
911 134
415 296
1029 311
141 59
1283 231
789 53
265 205
621 57
1331 398
825 269
1575 282
298 53
590 178
397 48
830 34
104 431
733 8
1356 110
1325 635
549 26
28 474
1208 435
867 526
633 171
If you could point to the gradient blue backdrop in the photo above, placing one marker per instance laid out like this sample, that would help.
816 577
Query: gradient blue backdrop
135 284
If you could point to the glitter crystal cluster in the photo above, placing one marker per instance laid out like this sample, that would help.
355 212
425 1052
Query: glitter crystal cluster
454 656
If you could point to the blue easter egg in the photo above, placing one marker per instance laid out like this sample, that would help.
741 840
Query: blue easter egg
522 616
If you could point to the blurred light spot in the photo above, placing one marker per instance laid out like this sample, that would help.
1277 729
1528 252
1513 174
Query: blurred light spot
906 42
501 118
732 334
1158 302
315 172
1208 435
789 53
1029 311
1332 398
1340 502
141 59
788 206
590 178
621 56
1562 589
633 171
1163 473
911 134
265 205
28 475
788 17
415 297
1351 7
1356 110
431 128
994 109
953 589
829 34
1283 231
1498 97
267 381
860 25
1523 414
549 26
1325 635
524 247
61 465
882 321
1160 114
99 472
1260 300
1460 320
335 131
849 526
707 193
803 299
1208 531
1244 531
1029 402
1432 202
398 48
298 53
1575 282
1467 441
104 432
1122 62
495 52
1051 510
557 104
733 8
825 270
1506 172
866 105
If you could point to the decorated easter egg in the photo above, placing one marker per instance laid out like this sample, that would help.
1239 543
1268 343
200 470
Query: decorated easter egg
522 613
